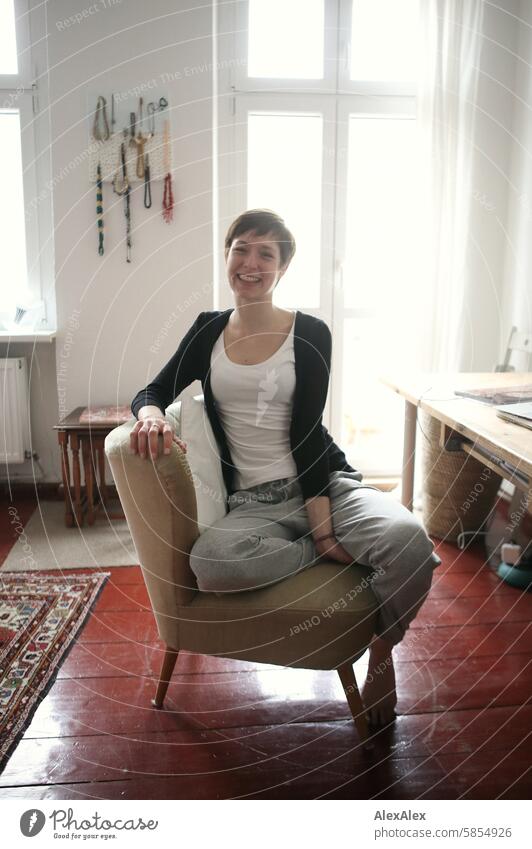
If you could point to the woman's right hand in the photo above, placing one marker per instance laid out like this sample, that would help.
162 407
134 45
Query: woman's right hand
144 438
331 549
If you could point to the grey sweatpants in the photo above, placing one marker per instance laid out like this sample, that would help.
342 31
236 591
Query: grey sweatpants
265 537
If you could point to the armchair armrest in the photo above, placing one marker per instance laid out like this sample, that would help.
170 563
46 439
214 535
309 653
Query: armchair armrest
159 503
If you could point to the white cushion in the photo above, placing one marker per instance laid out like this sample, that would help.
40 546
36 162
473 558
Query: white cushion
173 414
202 456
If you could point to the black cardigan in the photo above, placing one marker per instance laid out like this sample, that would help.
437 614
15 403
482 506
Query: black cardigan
314 452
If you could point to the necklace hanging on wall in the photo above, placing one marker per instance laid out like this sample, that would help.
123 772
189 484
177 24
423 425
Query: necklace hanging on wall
100 129
99 208
140 142
123 188
113 122
127 213
168 196
120 183
147 184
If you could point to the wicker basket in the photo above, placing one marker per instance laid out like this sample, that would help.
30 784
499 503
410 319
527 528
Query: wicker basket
458 491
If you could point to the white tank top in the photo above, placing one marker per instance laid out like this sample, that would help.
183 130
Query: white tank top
254 404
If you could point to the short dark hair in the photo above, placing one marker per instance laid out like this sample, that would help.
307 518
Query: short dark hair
262 222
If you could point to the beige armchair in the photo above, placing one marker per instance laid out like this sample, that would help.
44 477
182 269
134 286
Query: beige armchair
322 618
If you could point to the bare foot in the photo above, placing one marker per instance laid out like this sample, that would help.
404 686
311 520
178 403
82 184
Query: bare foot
378 693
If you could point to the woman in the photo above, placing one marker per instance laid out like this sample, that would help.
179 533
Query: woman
292 496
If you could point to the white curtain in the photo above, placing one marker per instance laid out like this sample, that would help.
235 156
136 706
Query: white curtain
451 46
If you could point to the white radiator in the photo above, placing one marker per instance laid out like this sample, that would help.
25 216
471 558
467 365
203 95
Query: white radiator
14 410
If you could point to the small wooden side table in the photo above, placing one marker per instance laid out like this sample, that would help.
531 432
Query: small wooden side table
77 433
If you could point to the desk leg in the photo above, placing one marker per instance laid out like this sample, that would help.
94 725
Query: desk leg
65 472
409 455
77 479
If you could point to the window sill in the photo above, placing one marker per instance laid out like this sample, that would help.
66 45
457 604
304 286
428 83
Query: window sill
27 335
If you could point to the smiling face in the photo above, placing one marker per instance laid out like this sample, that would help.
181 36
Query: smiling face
254 266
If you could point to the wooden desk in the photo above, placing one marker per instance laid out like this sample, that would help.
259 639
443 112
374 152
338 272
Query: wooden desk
87 438
466 425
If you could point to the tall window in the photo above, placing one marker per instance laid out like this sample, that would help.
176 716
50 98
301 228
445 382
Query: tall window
19 242
316 119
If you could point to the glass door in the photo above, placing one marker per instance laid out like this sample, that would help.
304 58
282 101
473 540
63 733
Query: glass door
377 300
285 163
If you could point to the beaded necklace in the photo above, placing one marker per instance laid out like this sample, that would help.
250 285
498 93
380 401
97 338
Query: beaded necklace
127 213
120 183
99 208
122 187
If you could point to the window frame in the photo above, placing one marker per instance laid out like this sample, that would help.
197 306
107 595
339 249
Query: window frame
236 171
22 31
376 88
235 18
18 93
337 99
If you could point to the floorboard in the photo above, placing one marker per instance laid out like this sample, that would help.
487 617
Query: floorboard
246 730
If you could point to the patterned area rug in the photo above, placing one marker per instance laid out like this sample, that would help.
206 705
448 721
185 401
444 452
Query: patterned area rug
40 616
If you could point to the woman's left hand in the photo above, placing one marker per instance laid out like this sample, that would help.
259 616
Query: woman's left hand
331 549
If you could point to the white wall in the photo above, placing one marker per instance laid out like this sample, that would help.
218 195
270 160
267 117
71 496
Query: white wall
110 313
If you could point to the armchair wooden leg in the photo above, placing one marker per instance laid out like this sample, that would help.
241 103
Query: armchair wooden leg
169 661
349 683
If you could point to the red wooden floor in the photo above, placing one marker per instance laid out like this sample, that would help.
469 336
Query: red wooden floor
240 730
